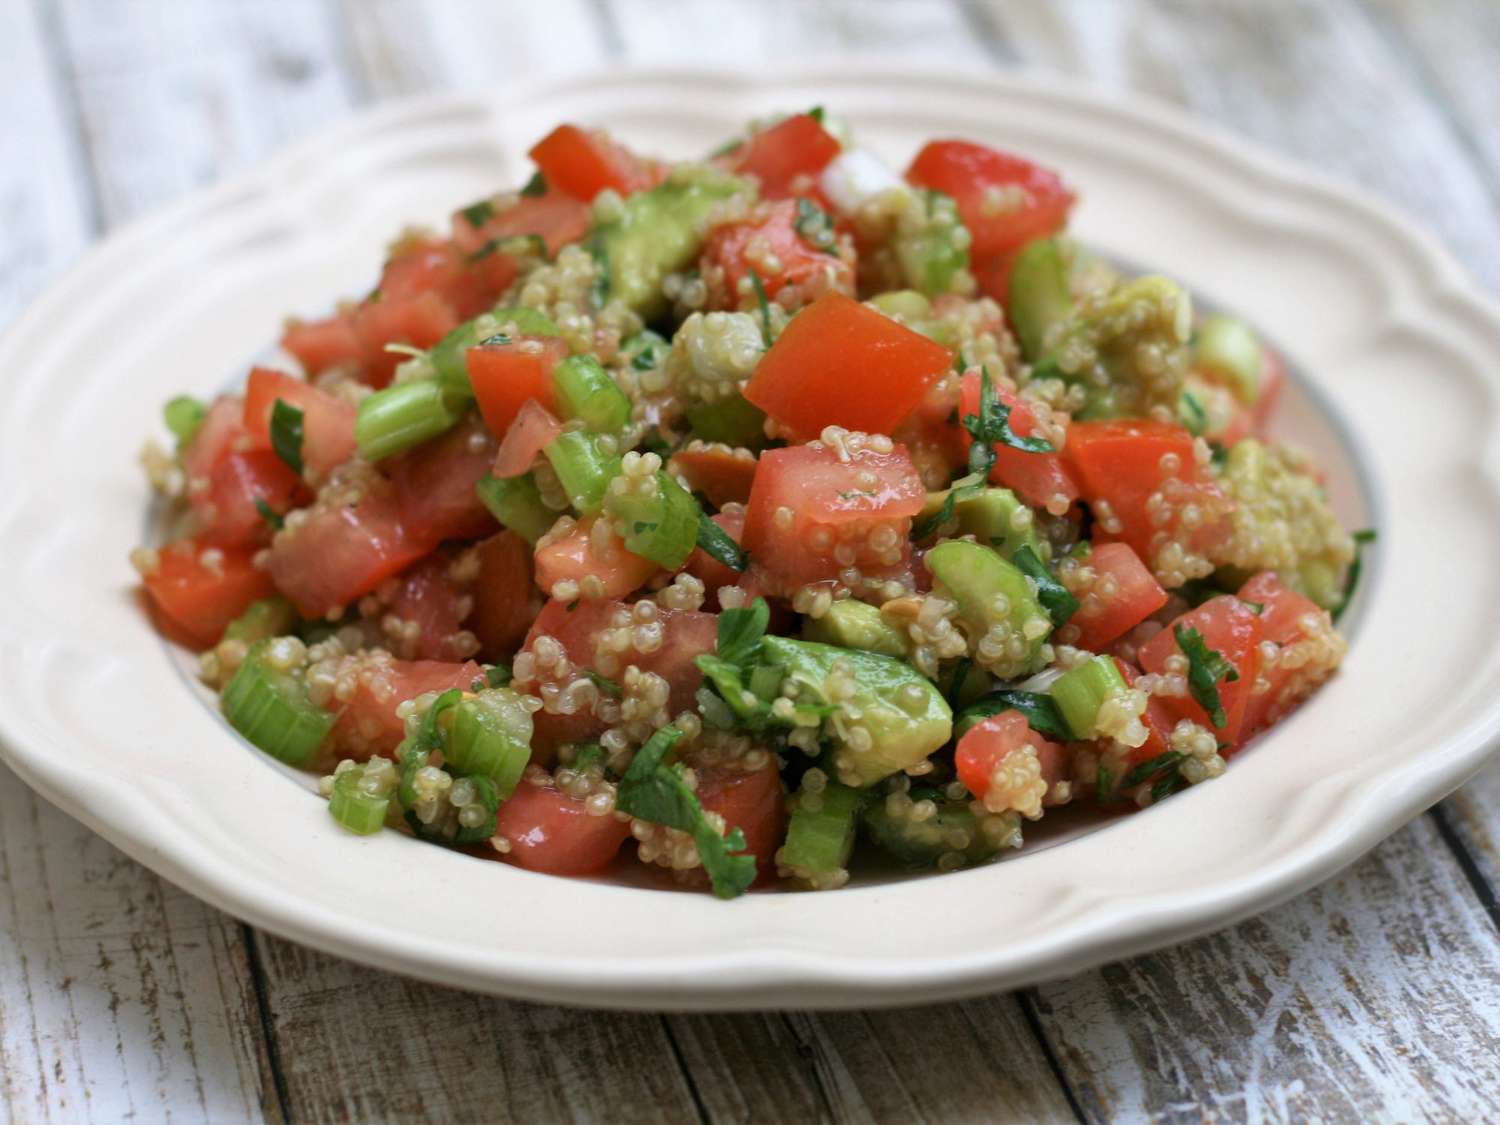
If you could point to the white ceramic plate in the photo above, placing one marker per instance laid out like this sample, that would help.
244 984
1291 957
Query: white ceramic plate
1398 400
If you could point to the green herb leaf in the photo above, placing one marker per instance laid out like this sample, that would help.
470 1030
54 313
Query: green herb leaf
1054 596
991 427
607 686
600 289
1351 581
815 225
928 526
269 514
589 754
655 792
717 544
477 214
1218 455
1040 709
286 434
429 735
497 675
535 186
816 113
498 340
764 306
957 678
740 632
1194 417
1154 767
1206 667
1104 783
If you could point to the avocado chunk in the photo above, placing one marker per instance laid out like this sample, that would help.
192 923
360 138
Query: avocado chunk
901 717
820 834
953 831
659 231
1229 349
990 516
1039 295
852 624
997 604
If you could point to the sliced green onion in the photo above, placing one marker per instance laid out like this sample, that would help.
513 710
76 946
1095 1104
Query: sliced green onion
1081 691
271 709
403 415
490 737
586 391
821 832
269 617
657 518
583 470
487 803
517 504
361 795
183 415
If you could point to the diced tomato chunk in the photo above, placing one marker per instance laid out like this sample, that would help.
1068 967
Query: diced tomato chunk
433 605
555 217
239 481
1129 469
200 588
1123 594
981 181
1230 628
813 515
1291 622
752 801
531 432
583 164
840 363
368 724
506 376
435 484
573 557
734 249
552 832
1272 379
419 321
336 553
722 474
321 344
221 432
1039 479
1158 720
986 744
795 149
443 269
327 421
505 600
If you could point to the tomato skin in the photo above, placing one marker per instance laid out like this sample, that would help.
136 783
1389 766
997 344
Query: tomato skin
556 217
727 258
966 170
327 421
1285 620
1037 478
987 743
428 597
337 554
321 344
368 724
1137 596
238 481
752 801
806 380
795 147
1119 462
421 321
583 164
435 484
834 506
506 376
505 600
1233 630
533 429
722 474
198 601
572 557
221 433
552 832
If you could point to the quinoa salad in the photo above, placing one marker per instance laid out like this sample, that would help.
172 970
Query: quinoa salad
752 518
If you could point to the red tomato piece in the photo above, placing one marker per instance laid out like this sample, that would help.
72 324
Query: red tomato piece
554 216
752 801
1004 201
506 376
734 249
573 558
986 744
327 421
840 363
221 433
1272 379
444 269
531 432
583 164
505 601
239 481
435 484
336 553
1291 622
1158 719
419 321
787 157
1123 594
552 832
1127 469
1231 629
368 723
722 474
430 599
1037 478
321 344
200 588
812 516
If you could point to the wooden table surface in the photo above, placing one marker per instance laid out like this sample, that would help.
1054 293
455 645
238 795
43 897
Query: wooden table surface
1373 997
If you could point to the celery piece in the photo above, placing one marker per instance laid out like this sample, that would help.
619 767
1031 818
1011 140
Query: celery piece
657 520
271 709
583 470
490 736
517 504
183 415
1081 691
733 420
269 617
403 415
1039 295
585 391
820 834
361 795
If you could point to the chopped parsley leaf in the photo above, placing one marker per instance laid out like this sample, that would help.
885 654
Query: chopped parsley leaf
535 186
1206 667
717 544
991 427
477 214
814 225
269 514
764 306
1039 708
1351 582
513 244
286 434
1054 596
607 686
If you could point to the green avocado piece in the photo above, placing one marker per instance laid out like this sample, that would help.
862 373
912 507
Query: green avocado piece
905 716
973 575
988 516
852 624
658 231
1039 295
920 843
1228 348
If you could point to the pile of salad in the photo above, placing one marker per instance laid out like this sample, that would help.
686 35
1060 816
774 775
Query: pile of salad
732 513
